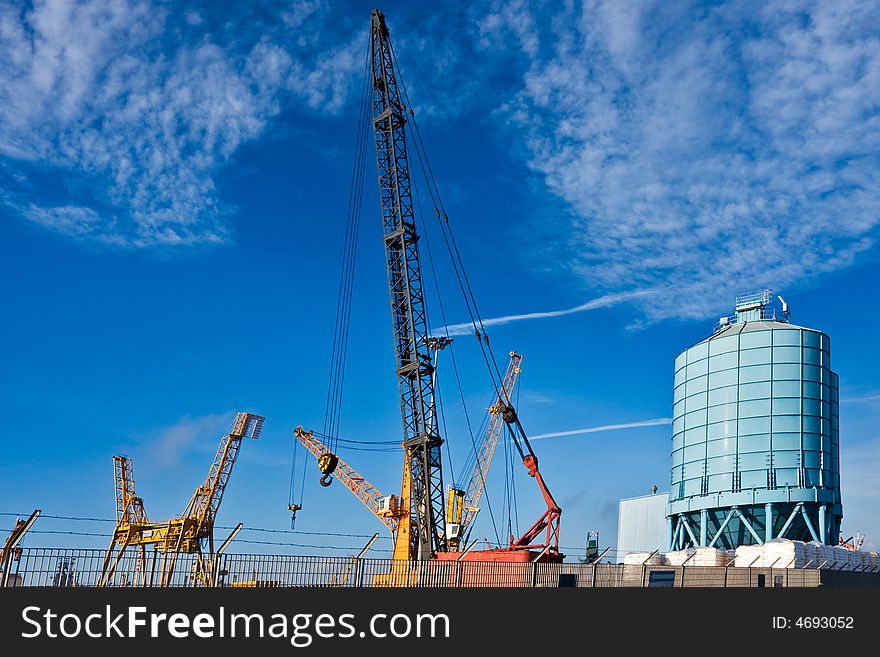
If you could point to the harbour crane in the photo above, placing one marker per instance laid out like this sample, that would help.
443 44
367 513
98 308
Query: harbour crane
184 533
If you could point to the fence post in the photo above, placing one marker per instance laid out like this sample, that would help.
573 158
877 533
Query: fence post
6 568
594 576
534 568
358 573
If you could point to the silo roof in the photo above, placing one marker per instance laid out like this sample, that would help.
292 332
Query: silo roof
754 325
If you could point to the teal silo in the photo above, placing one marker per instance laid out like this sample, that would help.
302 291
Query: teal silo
755 444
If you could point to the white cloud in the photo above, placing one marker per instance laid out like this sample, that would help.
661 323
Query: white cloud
859 400
134 109
659 421
709 151
167 446
466 328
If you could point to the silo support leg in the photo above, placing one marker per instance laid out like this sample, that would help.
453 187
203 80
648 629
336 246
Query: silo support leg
670 533
791 517
690 532
721 528
823 524
768 523
809 524
748 526
704 526
676 536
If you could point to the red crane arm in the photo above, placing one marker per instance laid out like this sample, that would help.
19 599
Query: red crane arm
549 521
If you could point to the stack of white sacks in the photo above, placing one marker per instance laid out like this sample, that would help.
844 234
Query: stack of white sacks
784 553
639 558
778 553
749 555
824 555
697 557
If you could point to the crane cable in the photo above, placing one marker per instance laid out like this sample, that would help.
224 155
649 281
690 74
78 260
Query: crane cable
336 379
458 267
452 247
335 386
473 455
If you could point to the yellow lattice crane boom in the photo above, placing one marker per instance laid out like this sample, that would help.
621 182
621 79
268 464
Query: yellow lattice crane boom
392 510
184 533
7 553
464 503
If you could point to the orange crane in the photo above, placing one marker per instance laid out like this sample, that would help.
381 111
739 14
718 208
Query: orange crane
464 504
184 533
392 510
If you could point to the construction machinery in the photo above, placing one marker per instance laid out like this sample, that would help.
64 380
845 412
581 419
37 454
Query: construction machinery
463 504
183 534
8 552
417 518
415 370
387 508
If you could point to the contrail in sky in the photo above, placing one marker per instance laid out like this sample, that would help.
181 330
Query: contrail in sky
600 302
606 427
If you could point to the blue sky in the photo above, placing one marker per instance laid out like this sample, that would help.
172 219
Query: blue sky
173 193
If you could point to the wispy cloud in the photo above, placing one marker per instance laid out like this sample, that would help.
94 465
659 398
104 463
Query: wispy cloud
709 150
859 400
131 107
167 446
600 302
659 421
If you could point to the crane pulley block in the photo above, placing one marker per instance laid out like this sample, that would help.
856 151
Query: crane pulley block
327 463
508 413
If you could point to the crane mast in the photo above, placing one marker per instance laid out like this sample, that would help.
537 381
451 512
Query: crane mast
421 441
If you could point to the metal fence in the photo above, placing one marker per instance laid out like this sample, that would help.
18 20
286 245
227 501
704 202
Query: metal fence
49 567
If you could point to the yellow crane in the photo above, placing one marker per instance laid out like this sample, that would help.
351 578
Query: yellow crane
184 533
8 552
464 504
392 510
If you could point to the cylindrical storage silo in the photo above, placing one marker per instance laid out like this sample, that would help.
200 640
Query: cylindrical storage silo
755 445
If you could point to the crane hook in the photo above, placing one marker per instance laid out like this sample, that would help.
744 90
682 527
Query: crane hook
326 480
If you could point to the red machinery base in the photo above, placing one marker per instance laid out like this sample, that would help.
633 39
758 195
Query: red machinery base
502 556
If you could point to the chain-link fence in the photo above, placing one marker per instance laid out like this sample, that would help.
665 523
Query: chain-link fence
50 567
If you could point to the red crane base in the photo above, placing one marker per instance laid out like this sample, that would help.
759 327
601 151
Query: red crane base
502 556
